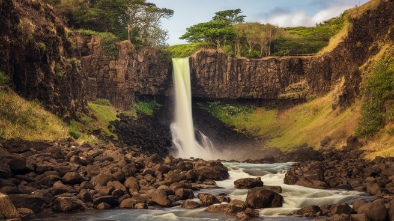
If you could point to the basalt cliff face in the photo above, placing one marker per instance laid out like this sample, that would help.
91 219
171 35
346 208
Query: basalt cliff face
133 72
38 58
219 76
367 36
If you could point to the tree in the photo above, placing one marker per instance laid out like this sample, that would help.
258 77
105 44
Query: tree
216 32
231 16
145 19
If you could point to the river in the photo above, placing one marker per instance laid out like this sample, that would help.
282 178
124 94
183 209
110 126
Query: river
295 197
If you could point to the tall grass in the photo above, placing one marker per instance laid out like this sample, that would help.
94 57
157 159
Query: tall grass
28 120
285 129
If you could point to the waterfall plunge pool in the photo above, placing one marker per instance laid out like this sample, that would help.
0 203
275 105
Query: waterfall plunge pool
295 197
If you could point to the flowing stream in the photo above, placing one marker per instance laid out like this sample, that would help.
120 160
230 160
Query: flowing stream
182 129
295 197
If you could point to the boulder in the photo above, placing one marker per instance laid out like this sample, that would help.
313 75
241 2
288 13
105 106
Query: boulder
110 200
103 206
160 197
207 199
72 178
343 208
85 195
132 184
375 211
213 170
25 213
391 209
184 194
8 209
22 165
309 211
190 204
33 202
102 179
259 197
174 176
131 203
5 171
248 183
67 204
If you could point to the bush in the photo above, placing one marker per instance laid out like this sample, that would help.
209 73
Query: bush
74 131
378 89
3 78
146 107
186 50
107 41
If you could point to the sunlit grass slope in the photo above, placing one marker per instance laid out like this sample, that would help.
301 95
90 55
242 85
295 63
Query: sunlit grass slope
28 120
286 129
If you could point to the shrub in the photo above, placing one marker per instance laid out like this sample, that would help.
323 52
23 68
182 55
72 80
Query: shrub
186 50
378 89
146 107
74 131
107 41
3 78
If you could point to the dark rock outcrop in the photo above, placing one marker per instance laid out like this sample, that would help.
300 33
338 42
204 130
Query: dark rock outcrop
248 183
37 54
259 197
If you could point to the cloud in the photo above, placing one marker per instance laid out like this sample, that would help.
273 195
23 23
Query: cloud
300 18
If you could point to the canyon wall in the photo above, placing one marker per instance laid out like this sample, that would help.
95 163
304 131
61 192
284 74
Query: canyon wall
133 72
38 58
219 76
368 35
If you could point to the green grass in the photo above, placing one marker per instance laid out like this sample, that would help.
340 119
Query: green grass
146 107
308 40
378 96
27 120
306 123
186 50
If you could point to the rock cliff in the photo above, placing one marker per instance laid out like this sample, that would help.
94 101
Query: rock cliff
216 75
366 37
38 58
140 72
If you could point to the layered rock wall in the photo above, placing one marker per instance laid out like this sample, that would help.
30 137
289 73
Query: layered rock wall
219 76
367 36
140 72
38 58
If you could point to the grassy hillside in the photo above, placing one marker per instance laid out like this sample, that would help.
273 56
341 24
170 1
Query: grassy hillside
27 119
308 123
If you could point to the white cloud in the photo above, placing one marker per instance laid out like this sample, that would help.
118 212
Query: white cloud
300 18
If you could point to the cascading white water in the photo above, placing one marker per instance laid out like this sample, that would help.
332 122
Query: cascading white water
182 129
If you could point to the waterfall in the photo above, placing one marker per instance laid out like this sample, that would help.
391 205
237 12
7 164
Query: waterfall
182 128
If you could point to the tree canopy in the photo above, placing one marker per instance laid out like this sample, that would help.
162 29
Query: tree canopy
136 20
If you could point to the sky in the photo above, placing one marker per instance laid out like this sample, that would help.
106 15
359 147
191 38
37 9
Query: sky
283 13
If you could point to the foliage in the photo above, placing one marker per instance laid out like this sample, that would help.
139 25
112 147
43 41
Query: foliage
28 120
136 20
146 107
143 21
308 40
103 102
227 112
73 131
107 41
377 91
3 78
186 50
218 31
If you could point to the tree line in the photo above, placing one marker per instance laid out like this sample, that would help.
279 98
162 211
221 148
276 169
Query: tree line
136 20
229 32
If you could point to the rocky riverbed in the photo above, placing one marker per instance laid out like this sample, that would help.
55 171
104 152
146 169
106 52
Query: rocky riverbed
59 177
